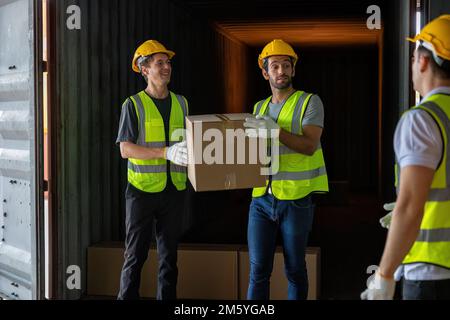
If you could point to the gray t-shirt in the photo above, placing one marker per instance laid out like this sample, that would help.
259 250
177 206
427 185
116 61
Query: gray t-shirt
314 113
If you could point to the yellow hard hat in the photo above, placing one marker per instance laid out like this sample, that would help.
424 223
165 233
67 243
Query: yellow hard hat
437 35
149 47
277 47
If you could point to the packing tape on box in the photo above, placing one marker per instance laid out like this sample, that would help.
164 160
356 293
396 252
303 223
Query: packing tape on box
230 178
227 123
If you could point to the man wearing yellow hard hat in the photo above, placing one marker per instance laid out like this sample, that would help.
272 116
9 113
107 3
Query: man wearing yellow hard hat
149 137
295 120
418 243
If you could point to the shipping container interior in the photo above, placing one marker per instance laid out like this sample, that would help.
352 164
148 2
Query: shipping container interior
354 70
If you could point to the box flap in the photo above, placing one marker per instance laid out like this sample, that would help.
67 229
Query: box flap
237 116
204 118
218 117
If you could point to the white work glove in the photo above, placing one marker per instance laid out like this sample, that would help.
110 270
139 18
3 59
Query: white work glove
261 127
178 154
379 288
386 220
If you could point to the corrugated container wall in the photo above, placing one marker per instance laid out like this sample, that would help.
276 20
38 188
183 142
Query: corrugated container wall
94 77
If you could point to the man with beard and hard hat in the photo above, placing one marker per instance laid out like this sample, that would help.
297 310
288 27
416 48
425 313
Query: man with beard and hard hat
418 241
294 119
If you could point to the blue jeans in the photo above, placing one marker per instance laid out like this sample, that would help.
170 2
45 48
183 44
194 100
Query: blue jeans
293 218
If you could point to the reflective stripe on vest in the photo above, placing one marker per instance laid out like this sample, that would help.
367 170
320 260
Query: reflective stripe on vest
433 241
151 175
299 111
434 235
258 107
298 174
303 175
183 105
143 168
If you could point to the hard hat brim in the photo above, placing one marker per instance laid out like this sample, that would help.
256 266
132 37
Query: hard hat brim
169 53
261 59
416 38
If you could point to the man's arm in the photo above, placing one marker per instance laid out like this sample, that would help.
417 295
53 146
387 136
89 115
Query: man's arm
407 216
306 143
132 150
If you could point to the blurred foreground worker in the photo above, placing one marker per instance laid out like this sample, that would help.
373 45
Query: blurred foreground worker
295 120
418 242
149 138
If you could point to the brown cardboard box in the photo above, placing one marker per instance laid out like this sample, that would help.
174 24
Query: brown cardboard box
105 261
208 272
204 271
221 157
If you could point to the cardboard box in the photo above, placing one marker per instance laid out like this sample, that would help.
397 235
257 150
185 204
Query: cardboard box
204 271
221 156
208 272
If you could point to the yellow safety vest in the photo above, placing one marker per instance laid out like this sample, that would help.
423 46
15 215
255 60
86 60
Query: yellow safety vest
433 242
298 174
151 175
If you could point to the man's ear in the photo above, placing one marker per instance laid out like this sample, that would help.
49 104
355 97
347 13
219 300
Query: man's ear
265 74
424 62
145 68
293 73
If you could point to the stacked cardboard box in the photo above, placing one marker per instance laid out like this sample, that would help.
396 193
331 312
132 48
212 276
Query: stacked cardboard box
205 272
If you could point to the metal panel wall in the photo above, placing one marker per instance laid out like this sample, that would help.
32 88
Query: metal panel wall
437 8
17 150
94 77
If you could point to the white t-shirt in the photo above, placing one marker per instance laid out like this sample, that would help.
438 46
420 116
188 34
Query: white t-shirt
418 141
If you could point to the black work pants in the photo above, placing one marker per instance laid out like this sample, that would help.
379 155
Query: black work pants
426 290
165 209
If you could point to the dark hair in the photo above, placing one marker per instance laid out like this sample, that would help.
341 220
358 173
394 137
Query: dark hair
266 63
442 72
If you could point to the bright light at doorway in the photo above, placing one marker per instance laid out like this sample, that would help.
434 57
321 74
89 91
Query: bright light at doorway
418 16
